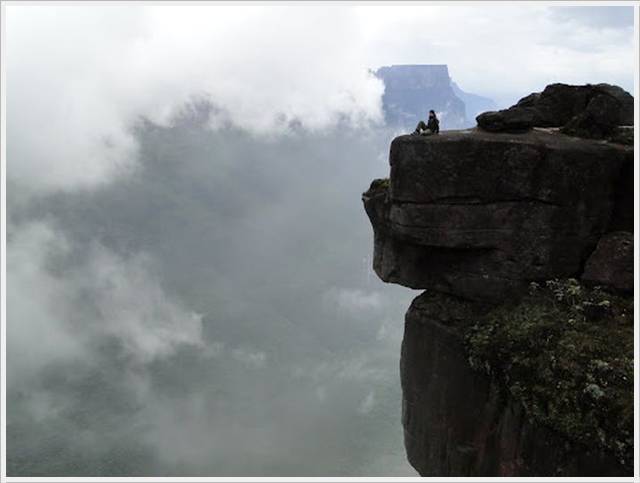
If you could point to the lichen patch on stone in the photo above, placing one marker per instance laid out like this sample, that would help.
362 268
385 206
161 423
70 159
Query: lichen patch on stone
565 352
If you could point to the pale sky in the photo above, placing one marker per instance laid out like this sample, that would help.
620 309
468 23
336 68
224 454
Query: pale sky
78 75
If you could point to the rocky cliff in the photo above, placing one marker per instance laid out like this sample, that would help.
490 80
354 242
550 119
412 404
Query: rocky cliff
518 358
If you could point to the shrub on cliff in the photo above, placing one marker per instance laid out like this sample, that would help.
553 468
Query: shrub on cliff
565 352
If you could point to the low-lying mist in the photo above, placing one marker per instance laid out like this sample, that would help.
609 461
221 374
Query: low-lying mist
211 311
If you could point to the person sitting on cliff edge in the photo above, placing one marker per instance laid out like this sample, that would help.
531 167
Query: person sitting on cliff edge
431 127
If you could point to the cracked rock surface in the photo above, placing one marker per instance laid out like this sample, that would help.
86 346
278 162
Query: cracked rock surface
480 214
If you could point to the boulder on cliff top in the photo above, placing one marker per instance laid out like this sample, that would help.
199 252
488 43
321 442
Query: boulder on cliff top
591 111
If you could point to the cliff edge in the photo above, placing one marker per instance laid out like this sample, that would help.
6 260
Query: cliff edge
517 360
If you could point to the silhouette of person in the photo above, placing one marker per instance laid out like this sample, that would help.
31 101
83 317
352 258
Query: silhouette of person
431 127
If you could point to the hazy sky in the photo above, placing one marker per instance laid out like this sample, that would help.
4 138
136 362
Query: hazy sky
189 283
91 70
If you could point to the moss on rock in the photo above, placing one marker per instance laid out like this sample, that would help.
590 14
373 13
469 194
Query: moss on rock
378 185
565 352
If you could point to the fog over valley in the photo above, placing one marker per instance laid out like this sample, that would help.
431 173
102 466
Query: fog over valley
217 320
189 282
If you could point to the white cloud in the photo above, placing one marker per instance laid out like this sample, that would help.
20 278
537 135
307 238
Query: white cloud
133 307
56 317
35 305
367 403
360 369
353 301
321 393
504 51
79 75
251 358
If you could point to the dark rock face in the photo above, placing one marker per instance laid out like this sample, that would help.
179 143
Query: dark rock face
480 215
474 217
592 111
459 423
411 90
611 264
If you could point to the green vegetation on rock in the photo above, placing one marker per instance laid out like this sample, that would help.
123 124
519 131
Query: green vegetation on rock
380 184
565 352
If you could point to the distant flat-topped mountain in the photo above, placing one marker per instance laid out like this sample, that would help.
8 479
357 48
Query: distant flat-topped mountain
411 90
473 103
